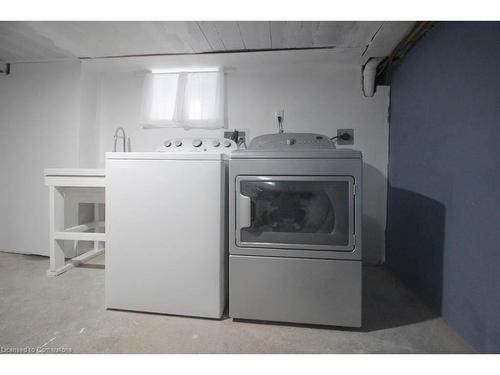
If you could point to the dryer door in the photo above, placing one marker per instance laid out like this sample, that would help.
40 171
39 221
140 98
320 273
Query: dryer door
295 212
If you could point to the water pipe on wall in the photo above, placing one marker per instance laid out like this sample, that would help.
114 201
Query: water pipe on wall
369 75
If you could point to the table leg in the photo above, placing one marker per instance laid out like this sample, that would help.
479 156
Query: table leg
96 219
57 259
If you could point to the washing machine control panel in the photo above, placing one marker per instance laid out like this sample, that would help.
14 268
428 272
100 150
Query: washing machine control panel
219 145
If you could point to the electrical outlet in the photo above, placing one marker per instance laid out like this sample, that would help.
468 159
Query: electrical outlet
242 134
4 69
280 117
349 141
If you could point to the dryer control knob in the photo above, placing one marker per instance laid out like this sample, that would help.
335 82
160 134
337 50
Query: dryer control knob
227 143
167 143
215 143
196 142
290 141
178 143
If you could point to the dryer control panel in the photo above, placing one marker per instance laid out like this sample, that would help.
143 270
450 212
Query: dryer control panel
291 141
182 145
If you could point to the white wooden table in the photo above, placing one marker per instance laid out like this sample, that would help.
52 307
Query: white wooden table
71 187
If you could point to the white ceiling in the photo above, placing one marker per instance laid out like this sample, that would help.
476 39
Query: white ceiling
49 41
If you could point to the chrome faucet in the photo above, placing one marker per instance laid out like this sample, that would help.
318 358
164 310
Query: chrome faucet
116 136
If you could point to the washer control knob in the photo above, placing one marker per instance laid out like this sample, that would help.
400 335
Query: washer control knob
178 143
227 143
167 143
196 142
215 143
290 141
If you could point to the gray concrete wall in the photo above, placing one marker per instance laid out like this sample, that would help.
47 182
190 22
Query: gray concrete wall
443 231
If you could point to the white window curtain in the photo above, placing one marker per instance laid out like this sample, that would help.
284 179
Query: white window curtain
188 99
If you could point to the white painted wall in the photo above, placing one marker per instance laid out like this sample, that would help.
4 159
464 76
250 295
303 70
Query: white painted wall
88 137
317 96
39 121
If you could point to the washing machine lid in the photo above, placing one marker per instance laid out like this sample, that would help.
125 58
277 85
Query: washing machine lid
183 149
164 156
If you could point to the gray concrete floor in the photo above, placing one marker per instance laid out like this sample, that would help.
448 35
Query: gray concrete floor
68 311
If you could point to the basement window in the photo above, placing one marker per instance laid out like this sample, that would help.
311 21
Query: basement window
183 99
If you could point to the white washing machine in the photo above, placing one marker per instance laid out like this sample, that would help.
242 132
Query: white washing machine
166 221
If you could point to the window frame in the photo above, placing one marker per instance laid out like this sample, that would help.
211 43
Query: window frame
180 117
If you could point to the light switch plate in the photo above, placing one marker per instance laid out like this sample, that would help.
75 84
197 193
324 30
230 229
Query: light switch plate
350 141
